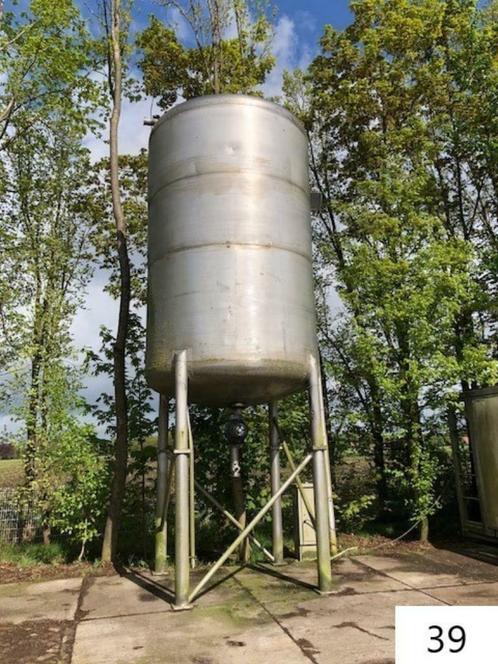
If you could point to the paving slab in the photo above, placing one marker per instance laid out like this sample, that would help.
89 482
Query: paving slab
47 600
110 596
208 635
348 577
478 594
252 615
349 629
431 569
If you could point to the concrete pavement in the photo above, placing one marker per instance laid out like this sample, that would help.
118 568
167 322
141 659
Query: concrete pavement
255 616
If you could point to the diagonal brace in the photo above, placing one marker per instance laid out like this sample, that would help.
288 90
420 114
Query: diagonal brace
248 529
232 519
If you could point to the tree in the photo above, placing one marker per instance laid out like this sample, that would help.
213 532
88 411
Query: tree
45 62
45 59
45 243
46 100
137 504
133 191
116 26
219 63
374 105
73 478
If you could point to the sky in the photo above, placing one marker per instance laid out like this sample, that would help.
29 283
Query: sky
298 27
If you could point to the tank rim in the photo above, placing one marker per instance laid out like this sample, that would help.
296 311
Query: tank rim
240 99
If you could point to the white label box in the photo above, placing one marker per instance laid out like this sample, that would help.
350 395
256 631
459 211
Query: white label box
446 634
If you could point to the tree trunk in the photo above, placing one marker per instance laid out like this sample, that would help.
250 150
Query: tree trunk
34 392
31 424
109 545
378 442
424 530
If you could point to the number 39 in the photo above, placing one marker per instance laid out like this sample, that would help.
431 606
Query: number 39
456 635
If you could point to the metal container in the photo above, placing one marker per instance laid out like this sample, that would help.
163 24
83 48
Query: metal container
230 273
481 408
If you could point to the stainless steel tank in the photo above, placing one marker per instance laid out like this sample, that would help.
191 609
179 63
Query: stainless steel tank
230 273
481 407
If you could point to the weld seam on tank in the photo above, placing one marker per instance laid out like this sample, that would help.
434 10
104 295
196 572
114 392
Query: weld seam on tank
228 245
240 171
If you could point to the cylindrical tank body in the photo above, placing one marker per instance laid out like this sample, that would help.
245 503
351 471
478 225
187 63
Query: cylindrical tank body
230 273
481 408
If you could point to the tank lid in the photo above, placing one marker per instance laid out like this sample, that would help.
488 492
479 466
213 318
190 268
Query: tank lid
481 393
241 100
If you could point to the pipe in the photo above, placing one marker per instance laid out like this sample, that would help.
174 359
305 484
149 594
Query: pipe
277 527
182 483
249 528
319 442
232 519
191 495
239 502
161 525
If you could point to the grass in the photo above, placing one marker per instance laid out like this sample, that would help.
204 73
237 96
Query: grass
11 473
29 555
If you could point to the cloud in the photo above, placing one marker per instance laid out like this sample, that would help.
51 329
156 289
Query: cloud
99 309
290 52
306 21
133 134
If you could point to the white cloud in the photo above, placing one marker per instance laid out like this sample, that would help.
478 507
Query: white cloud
99 309
306 20
290 52
133 134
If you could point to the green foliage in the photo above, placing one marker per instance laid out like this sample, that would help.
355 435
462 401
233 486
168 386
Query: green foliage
46 104
28 554
72 477
45 58
391 107
98 204
353 514
218 63
138 510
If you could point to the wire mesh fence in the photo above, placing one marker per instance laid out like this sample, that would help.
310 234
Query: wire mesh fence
18 520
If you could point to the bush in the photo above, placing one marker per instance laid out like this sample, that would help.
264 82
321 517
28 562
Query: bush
28 555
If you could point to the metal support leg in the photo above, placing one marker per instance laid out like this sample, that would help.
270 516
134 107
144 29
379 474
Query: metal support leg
333 535
333 532
319 441
162 474
193 559
182 484
277 528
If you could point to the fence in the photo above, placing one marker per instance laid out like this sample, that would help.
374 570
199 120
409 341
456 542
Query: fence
18 521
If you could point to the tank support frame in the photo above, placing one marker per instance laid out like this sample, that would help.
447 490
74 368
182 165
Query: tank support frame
185 484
